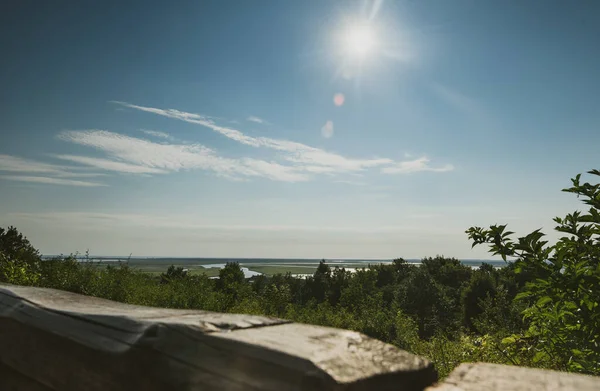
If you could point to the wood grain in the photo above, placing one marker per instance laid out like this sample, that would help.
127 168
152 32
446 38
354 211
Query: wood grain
64 341
494 377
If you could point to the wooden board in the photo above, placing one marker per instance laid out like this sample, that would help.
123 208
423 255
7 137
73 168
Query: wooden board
63 341
11 380
494 377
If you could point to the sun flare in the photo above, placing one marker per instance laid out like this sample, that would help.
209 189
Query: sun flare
359 40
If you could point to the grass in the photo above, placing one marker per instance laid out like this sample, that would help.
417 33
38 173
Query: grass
157 269
272 270
154 268
210 272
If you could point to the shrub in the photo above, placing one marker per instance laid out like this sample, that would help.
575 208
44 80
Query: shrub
563 295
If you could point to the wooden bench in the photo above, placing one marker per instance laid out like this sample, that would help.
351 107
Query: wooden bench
55 340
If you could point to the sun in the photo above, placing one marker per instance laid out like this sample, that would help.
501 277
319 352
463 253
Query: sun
359 40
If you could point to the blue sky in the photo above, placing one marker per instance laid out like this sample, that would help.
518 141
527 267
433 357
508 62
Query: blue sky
212 128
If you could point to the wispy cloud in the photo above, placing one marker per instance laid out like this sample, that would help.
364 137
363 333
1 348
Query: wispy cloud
291 162
157 134
456 99
16 164
178 221
256 119
195 119
80 174
51 181
352 183
134 155
410 166
471 109
111 165
291 151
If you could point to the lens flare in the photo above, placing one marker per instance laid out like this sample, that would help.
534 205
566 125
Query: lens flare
338 99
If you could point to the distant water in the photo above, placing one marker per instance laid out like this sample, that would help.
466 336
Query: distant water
244 262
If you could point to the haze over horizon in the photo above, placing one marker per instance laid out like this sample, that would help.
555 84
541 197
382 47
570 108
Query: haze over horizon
338 129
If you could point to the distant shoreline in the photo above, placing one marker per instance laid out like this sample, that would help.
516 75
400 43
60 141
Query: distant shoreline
250 260
252 266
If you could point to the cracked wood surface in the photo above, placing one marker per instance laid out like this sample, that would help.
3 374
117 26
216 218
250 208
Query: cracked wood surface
495 377
55 340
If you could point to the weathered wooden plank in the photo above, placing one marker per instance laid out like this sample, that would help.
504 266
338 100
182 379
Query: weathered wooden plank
11 380
347 357
495 377
72 342
53 299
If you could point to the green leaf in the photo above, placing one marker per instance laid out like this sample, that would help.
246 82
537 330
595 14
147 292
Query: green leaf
594 172
569 305
540 356
543 301
509 340
523 295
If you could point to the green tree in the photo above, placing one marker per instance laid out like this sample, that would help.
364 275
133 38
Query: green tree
482 286
317 286
16 246
402 269
232 285
173 274
259 283
231 275
339 281
422 298
277 297
562 298
19 260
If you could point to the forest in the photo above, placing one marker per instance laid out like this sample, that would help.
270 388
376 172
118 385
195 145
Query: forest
540 310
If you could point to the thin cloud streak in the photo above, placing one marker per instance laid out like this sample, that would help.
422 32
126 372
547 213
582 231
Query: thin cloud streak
51 181
457 100
256 119
111 165
195 119
472 110
157 134
134 155
80 174
417 165
186 222
352 183
16 164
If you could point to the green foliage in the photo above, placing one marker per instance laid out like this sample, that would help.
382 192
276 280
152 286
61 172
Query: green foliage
231 276
540 310
13 245
19 260
562 294
407 332
17 271
477 295
173 274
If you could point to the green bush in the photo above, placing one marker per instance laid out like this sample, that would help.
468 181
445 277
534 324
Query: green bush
563 293
19 260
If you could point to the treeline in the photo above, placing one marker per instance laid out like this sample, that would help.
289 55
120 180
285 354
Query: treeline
541 310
